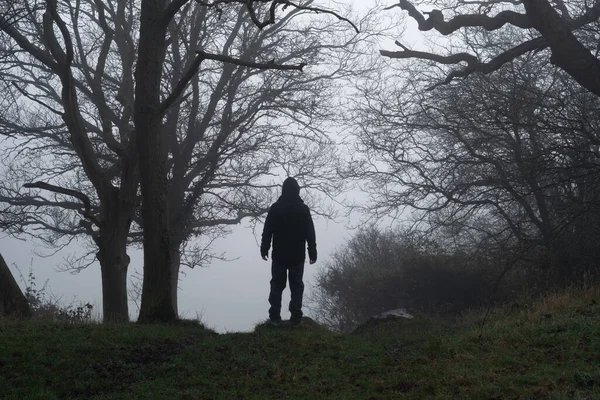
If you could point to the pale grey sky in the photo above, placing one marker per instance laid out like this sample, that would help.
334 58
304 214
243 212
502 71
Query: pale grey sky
230 296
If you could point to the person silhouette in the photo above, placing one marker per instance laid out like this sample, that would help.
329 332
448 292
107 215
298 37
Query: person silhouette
290 225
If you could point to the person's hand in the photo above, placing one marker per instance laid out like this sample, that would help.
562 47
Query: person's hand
313 260
265 257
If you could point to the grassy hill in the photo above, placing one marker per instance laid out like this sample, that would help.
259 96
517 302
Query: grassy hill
549 350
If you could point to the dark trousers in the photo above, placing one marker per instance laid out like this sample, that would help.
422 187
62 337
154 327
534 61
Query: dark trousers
279 276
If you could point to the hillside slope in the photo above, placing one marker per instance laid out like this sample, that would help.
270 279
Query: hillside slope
550 350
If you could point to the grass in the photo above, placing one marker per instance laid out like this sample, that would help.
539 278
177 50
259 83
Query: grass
548 350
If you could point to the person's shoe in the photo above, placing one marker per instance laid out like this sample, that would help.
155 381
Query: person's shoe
273 322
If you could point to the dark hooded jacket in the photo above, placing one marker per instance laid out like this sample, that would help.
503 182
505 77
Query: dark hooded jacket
290 224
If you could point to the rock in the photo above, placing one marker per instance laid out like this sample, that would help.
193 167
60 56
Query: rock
398 312
382 318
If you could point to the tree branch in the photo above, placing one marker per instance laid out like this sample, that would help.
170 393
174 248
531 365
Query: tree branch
69 192
43 56
436 21
229 221
271 14
201 56
181 85
251 64
72 114
567 51
473 63
172 9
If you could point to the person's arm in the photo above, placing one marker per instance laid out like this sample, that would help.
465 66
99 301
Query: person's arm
267 233
311 238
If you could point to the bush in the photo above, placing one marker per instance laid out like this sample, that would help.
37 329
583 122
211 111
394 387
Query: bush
46 307
379 271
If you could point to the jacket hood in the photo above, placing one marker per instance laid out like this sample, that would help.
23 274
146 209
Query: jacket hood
290 188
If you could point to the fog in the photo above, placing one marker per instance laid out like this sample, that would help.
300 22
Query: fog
227 296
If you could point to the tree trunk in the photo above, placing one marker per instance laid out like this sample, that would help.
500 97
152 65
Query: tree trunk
568 53
114 262
175 266
157 299
12 301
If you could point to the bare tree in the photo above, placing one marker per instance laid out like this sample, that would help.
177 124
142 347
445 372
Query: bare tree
510 158
68 96
157 301
236 129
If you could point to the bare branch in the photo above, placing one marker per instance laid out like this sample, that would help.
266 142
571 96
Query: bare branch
568 52
40 54
72 115
201 56
272 8
69 192
13 11
473 63
251 64
230 221
172 9
436 21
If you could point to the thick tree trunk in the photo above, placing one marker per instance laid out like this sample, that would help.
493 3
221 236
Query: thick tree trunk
175 266
12 301
157 299
568 53
114 262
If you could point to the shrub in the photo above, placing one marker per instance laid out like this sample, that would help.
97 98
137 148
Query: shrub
379 271
48 307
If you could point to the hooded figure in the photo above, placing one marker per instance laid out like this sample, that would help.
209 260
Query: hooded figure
290 225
